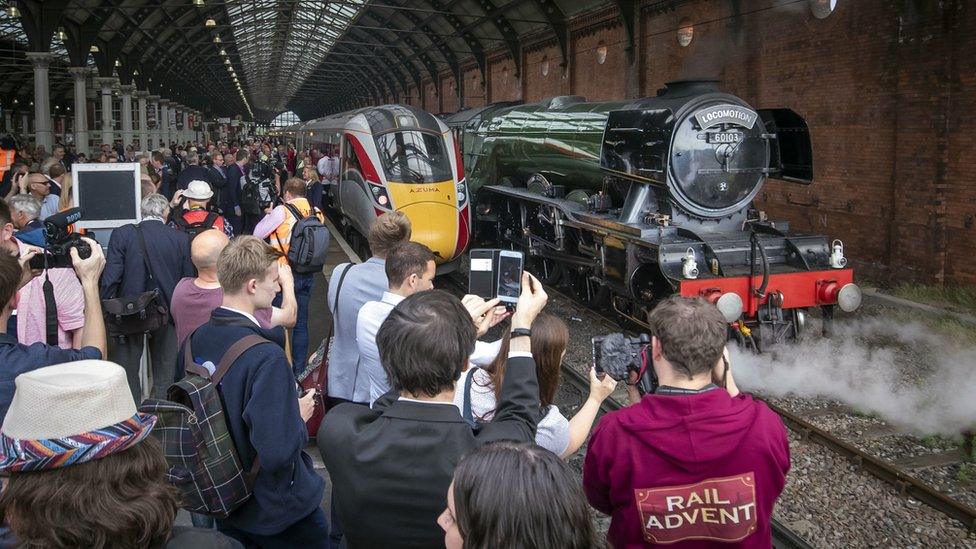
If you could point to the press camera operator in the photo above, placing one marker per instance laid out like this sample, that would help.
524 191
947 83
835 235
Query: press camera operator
694 458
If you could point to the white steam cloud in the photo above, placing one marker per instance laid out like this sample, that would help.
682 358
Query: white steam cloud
905 372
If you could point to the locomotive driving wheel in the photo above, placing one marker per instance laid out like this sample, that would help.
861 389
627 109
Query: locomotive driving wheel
547 270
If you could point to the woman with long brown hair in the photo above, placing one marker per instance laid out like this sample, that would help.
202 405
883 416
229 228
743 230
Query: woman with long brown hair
479 389
517 496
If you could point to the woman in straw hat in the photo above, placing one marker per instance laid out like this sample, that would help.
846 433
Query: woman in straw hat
83 470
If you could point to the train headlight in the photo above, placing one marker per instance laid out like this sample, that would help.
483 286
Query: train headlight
462 193
728 303
379 195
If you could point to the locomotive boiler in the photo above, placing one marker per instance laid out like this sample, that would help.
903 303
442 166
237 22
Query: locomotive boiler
628 202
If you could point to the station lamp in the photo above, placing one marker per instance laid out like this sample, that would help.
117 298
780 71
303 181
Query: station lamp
217 39
210 23
93 48
62 36
199 3
12 11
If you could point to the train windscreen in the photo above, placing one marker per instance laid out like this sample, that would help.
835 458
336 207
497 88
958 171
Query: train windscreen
413 157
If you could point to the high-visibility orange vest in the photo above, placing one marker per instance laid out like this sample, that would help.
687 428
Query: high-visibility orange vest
281 238
6 160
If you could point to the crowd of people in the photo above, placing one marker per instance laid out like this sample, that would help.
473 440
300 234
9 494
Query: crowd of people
434 435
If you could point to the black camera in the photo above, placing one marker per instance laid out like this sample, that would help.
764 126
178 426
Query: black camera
617 355
58 242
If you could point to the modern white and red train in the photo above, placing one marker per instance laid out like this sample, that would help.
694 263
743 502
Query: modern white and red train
395 158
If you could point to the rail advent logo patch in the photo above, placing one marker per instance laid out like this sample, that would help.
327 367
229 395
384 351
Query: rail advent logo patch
719 509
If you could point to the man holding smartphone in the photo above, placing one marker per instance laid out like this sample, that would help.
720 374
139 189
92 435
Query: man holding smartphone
417 428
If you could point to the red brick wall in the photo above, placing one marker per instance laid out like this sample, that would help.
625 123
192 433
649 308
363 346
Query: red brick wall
474 89
595 81
887 87
538 85
449 96
503 85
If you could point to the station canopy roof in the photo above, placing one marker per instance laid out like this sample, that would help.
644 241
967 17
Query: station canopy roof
261 58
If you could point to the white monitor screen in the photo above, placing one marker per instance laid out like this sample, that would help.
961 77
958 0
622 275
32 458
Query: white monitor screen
108 194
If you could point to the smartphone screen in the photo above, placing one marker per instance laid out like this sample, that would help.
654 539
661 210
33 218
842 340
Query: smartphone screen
509 276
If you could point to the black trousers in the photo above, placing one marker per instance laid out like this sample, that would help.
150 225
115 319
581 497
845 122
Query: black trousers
311 532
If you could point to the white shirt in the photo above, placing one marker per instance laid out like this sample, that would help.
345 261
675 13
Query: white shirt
333 172
552 433
240 312
371 317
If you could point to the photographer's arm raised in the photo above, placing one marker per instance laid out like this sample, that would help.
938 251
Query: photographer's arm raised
88 271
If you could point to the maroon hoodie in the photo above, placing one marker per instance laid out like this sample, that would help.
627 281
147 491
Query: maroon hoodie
701 469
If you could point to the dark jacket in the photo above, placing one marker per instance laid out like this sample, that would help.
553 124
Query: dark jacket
191 173
167 184
696 470
261 408
391 465
218 182
125 272
232 198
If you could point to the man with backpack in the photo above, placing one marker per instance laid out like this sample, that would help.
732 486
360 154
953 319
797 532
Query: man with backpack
278 505
296 229
191 213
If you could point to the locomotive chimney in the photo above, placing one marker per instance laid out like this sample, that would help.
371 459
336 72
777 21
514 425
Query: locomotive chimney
684 88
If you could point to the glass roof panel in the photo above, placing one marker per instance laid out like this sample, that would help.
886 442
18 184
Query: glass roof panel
281 43
11 30
285 119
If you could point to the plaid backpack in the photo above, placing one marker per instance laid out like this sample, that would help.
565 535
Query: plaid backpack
203 461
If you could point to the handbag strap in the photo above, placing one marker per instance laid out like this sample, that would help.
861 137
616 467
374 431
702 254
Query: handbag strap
335 308
466 407
145 256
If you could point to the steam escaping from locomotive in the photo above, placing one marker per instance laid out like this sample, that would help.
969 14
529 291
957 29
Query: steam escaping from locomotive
908 374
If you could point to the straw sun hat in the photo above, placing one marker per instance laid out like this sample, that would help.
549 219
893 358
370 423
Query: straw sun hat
69 414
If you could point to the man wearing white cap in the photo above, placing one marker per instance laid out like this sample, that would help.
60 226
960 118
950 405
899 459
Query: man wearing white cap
75 446
190 212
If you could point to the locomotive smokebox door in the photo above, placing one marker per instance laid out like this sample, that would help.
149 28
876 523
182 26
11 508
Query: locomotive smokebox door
791 154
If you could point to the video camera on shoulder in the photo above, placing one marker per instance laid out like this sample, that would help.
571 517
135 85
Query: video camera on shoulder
58 242
617 355
496 273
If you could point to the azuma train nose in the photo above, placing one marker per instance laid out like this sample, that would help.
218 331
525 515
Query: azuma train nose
435 226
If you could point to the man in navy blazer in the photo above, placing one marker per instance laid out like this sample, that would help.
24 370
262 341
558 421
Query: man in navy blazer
192 172
232 200
168 252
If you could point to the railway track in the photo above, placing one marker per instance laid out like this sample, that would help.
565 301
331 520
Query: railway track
906 484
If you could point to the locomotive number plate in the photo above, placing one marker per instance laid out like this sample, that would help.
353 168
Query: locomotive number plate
723 137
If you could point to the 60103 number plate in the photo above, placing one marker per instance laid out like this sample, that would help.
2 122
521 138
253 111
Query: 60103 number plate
723 137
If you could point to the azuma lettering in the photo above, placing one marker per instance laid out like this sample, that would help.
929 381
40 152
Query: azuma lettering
721 509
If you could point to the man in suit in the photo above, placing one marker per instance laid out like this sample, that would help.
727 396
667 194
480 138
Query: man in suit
167 252
192 172
218 180
232 201
391 465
